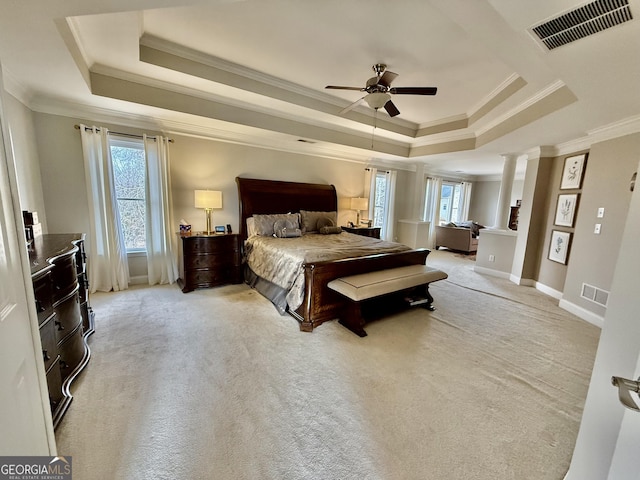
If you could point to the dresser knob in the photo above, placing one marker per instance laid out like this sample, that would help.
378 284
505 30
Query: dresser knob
60 326
46 356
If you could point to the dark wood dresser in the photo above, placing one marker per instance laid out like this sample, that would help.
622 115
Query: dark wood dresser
65 318
373 232
209 260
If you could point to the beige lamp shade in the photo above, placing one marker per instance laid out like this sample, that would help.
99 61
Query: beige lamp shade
359 203
208 199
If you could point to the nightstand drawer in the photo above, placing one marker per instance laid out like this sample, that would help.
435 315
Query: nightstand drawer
208 278
207 260
210 244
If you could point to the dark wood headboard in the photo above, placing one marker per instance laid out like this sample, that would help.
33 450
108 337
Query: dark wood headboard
273 196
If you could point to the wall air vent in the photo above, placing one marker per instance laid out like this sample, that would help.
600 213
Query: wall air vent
595 294
582 22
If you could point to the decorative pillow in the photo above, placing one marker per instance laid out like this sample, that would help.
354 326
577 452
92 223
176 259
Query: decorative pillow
328 230
324 222
264 223
309 220
251 227
286 229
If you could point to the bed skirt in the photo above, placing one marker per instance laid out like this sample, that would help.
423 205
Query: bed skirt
274 293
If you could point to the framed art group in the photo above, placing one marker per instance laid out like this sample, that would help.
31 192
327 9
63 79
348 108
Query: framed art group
566 207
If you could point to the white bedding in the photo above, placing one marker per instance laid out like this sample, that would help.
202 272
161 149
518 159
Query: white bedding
280 260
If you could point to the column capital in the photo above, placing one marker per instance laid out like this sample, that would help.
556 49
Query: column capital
510 156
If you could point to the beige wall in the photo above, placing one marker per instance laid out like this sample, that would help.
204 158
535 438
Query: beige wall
207 164
606 184
196 163
23 139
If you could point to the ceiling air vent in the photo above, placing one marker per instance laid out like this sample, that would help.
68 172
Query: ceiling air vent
582 22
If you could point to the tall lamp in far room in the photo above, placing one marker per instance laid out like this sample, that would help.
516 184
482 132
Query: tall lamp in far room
208 199
358 204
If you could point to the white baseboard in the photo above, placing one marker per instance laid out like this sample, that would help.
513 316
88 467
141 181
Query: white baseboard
489 271
552 292
525 282
139 280
583 313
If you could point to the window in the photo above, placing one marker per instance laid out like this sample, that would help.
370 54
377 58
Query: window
129 177
450 202
379 200
446 201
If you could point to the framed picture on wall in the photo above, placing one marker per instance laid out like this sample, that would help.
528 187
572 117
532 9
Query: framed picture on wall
566 209
573 172
559 246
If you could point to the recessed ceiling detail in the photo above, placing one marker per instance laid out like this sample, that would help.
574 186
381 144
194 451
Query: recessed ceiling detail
582 22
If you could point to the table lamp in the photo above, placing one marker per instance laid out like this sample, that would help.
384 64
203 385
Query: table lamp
358 204
208 199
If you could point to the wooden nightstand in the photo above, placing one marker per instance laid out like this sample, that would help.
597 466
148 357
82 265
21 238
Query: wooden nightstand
209 261
364 231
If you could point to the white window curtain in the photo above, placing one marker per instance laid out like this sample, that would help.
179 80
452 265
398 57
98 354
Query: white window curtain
161 262
108 268
432 206
370 188
466 199
388 228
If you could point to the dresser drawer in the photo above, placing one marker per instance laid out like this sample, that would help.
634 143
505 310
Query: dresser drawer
43 291
72 352
54 383
49 342
68 316
65 275
211 244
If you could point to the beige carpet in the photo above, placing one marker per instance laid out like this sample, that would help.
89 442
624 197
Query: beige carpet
215 384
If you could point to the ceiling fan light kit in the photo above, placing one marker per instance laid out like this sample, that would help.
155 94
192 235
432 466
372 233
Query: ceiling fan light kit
379 91
377 100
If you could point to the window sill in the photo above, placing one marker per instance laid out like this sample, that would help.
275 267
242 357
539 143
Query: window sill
136 253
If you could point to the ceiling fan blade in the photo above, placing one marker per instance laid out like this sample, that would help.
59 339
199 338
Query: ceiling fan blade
391 109
386 78
337 87
413 90
351 107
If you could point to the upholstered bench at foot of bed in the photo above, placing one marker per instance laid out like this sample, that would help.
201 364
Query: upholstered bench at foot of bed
358 288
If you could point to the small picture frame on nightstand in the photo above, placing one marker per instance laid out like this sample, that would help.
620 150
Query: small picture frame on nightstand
220 229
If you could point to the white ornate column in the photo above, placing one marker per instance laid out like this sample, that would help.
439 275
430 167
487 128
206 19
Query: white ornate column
504 199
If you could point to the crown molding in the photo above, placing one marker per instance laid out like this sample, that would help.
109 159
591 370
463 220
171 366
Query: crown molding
542 151
531 101
15 88
617 129
250 137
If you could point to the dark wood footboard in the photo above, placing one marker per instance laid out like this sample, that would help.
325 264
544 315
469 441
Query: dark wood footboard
321 303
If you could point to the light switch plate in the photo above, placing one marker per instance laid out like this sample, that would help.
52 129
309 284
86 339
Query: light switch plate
600 212
597 229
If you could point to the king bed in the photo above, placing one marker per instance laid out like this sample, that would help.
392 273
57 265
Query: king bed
293 271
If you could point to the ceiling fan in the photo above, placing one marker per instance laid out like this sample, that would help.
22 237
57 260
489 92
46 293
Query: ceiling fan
379 91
